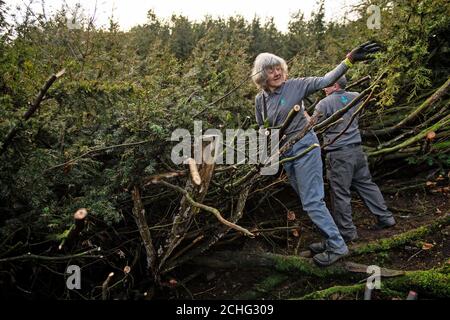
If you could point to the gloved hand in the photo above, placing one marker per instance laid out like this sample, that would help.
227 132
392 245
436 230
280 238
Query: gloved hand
363 52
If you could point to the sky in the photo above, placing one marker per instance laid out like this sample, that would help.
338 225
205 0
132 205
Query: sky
133 12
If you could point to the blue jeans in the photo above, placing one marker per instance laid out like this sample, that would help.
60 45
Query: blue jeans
305 176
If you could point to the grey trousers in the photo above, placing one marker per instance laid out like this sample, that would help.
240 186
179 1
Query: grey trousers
347 168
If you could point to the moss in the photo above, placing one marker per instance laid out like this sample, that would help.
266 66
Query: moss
304 266
269 283
249 295
402 238
266 286
430 283
387 293
340 290
441 145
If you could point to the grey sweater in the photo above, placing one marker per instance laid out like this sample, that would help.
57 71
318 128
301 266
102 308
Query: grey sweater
290 93
329 105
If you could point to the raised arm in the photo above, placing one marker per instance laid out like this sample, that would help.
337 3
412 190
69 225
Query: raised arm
360 53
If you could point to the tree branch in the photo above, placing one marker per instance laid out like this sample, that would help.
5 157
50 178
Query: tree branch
34 106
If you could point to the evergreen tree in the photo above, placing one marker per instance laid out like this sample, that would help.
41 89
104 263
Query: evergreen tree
298 35
317 28
182 39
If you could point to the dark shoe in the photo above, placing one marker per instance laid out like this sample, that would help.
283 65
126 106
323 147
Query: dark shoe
318 247
351 238
327 258
305 254
383 224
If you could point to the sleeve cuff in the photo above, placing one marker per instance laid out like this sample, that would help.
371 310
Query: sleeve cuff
348 63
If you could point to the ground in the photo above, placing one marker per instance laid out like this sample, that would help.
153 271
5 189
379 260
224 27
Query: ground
411 209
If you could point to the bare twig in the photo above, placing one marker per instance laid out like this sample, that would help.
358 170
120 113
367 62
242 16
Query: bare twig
212 210
97 150
29 256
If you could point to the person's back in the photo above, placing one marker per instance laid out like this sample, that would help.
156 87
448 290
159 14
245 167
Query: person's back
327 107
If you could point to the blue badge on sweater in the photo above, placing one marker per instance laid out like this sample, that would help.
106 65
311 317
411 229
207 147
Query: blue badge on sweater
282 102
344 99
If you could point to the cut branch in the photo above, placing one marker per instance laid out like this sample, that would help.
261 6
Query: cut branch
139 214
443 122
291 115
438 94
76 228
105 286
183 219
300 154
215 235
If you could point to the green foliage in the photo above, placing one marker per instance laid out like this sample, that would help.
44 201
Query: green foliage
412 27
123 88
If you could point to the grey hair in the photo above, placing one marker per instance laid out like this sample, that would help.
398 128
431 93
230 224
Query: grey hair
342 82
263 62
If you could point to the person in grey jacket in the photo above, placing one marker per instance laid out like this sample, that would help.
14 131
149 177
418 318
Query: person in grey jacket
347 165
277 97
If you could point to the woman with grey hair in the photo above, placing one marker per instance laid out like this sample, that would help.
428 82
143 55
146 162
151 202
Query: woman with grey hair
277 97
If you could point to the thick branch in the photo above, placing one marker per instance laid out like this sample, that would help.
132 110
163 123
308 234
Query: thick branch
291 115
431 283
283 263
139 214
211 237
414 114
443 122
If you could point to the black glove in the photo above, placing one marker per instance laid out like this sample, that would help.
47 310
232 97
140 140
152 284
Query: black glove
363 52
